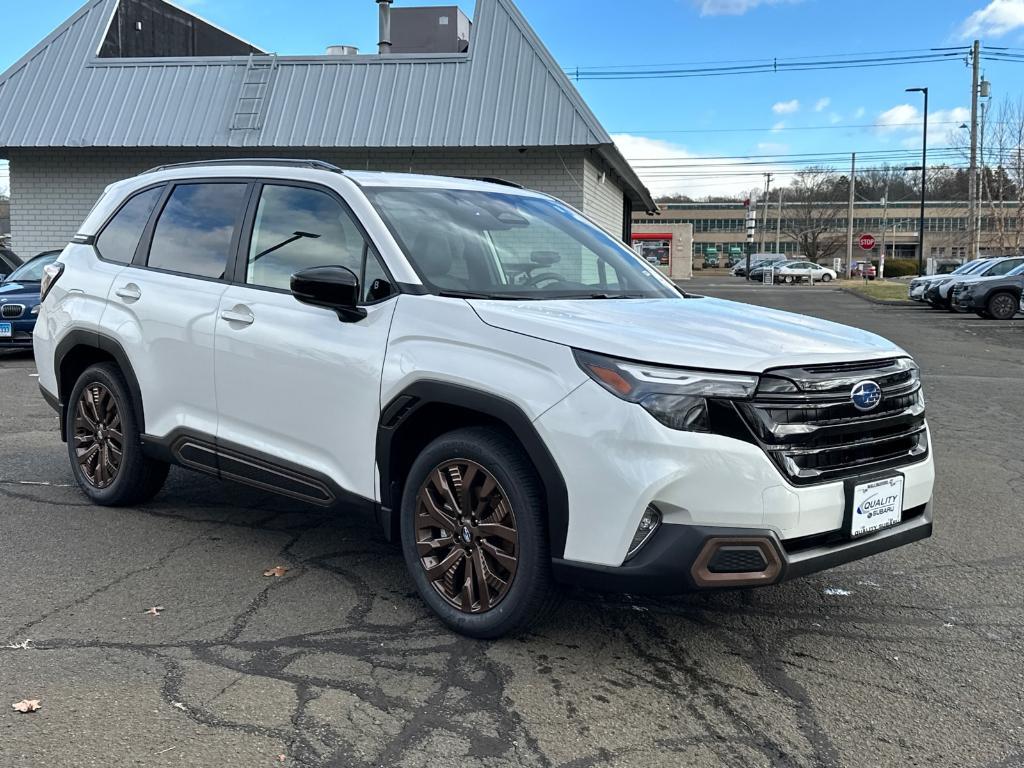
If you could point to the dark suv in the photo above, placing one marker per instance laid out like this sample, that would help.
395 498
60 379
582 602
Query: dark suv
995 298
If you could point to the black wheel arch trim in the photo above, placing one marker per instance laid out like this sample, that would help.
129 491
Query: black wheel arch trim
430 392
95 340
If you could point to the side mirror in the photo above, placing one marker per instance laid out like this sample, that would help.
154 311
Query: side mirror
334 288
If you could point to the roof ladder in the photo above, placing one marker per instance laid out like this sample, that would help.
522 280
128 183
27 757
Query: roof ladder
253 96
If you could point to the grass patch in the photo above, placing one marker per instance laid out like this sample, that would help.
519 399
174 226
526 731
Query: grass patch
878 289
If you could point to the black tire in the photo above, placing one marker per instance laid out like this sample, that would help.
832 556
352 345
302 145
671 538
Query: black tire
1002 305
788 279
531 593
826 277
137 478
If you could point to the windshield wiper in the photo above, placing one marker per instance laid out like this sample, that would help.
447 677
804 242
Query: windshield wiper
477 295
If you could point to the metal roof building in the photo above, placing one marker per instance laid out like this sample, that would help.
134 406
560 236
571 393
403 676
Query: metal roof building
126 84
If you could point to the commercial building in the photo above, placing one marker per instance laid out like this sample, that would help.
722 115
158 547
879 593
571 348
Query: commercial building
719 229
125 85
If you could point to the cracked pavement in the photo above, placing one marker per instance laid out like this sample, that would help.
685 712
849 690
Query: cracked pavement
337 663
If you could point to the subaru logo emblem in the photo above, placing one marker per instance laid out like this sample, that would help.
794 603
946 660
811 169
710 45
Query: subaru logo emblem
866 395
467 536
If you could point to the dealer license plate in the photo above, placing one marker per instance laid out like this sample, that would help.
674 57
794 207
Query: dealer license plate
876 505
6 331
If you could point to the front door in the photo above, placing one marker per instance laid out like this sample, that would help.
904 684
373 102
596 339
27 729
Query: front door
296 386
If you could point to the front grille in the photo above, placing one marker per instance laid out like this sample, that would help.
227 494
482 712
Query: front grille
814 433
11 311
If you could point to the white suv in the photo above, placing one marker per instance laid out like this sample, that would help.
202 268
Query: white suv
515 395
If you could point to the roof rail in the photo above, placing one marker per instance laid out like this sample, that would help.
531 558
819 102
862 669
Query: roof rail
273 161
495 180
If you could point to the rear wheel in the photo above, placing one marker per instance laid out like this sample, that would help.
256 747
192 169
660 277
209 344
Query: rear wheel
473 533
1002 305
788 279
104 443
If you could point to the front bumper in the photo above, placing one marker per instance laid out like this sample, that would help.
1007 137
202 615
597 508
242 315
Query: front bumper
22 334
672 563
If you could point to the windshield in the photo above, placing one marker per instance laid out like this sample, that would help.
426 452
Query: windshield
504 245
32 270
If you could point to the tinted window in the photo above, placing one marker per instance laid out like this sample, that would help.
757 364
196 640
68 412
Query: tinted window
1002 267
297 228
119 239
194 232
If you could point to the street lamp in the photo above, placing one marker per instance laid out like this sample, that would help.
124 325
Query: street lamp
924 165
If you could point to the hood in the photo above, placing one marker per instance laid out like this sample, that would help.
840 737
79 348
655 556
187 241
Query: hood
988 279
19 291
697 332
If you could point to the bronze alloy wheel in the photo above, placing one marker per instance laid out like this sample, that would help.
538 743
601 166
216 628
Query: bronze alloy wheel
99 442
466 535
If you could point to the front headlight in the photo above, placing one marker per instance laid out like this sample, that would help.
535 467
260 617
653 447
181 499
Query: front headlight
35 309
677 397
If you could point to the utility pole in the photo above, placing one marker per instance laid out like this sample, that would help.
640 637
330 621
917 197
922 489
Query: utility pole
972 182
923 168
764 212
778 224
849 216
885 215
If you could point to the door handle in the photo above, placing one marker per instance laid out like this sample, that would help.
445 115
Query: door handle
239 315
129 292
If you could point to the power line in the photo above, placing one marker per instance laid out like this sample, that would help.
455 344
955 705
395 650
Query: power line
786 129
764 66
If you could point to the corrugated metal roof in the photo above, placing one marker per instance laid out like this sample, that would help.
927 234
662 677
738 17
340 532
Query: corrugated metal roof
507 91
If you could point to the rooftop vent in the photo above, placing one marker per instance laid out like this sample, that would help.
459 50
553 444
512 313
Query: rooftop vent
435 29
342 50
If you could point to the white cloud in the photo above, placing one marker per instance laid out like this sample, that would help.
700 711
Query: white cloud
786 107
942 123
994 20
859 113
822 104
779 126
734 7
658 164
834 118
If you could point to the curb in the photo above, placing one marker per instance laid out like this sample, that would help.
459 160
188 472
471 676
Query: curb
883 302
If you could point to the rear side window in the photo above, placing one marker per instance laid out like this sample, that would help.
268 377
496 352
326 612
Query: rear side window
119 239
196 228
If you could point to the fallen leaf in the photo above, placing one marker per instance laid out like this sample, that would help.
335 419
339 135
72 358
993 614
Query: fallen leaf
281 758
27 705
155 610
277 570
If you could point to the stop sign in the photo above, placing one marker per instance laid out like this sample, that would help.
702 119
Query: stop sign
867 242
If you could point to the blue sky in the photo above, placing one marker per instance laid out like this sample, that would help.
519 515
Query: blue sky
795 112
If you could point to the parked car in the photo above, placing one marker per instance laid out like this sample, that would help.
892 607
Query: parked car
938 292
396 343
918 285
795 271
996 298
19 301
9 262
864 269
757 260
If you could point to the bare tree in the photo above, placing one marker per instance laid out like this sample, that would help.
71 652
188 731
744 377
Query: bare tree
814 205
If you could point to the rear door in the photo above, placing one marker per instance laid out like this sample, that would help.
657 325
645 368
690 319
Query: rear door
298 389
163 306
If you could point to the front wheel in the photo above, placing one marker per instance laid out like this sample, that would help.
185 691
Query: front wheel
474 534
788 279
826 277
1002 306
104 443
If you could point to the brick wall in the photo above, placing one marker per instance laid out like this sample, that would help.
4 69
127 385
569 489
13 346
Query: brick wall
52 191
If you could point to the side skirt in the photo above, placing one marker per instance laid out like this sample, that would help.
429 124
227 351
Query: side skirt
204 453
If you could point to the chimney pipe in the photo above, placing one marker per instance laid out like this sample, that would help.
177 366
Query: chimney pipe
385 26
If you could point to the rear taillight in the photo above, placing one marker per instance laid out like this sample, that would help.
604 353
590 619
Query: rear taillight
51 273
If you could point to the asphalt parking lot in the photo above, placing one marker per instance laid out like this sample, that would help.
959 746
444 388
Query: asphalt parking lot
911 658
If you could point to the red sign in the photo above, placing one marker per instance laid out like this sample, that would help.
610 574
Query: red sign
867 242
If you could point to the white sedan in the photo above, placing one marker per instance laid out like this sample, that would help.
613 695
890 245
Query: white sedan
794 271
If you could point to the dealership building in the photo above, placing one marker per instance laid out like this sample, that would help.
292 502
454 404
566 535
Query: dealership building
126 85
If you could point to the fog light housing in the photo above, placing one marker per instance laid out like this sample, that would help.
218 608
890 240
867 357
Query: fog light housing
649 523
